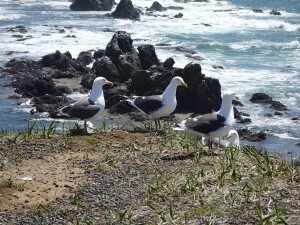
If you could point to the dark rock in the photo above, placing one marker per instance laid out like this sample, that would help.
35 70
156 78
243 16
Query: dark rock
123 55
140 81
121 43
85 57
92 5
125 10
182 49
193 56
217 67
49 103
109 30
169 63
121 108
19 28
260 98
62 62
268 115
203 94
278 106
275 13
278 113
147 56
156 6
98 54
70 36
59 75
266 99
104 67
237 103
34 87
175 7
206 24
246 134
257 10
179 15
115 94
87 80
239 116
163 45
295 118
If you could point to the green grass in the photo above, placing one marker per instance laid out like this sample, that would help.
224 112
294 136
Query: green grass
181 183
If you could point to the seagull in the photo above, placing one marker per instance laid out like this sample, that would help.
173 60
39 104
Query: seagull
86 109
157 106
212 125
233 139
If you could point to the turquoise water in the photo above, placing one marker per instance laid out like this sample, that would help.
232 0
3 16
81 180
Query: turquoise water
259 52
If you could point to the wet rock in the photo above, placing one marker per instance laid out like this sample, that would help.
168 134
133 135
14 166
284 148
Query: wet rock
275 13
63 62
104 67
266 99
156 6
49 103
140 81
147 56
268 115
203 94
115 94
246 134
98 54
33 87
179 15
278 106
260 98
278 113
206 24
239 116
87 80
257 10
92 5
237 103
125 10
217 67
194 56
20 28
168 63
70 36
85 57
182 49
123 55
295 118
174 7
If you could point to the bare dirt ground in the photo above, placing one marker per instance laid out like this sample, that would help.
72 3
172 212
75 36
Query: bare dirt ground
120 177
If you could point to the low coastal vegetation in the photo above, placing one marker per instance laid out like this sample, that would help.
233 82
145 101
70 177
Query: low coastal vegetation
140 177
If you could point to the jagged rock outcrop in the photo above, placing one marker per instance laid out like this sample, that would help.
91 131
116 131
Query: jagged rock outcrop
92 5
266 99
125 10
156 6
147 56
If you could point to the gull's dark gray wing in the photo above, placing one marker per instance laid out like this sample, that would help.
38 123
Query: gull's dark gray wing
206 123
82 109
148 104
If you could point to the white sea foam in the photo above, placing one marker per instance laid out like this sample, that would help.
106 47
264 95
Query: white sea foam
286 136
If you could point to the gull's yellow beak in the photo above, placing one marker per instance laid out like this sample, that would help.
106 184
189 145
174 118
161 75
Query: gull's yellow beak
227 137
184 85
236 98
109 83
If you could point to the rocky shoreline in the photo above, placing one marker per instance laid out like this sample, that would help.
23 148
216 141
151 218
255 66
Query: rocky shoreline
134 72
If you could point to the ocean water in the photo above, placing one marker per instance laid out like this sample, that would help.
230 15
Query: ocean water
258 51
